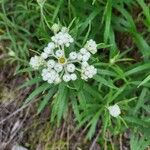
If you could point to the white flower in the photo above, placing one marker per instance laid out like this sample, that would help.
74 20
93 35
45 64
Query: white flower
84 64
114 110
88 71
79 56
83 51
86 56
44 55
62 38
36 62
51 45
91 46
84 77
47 50
66 77
72 55
51 63
57 80
64 29
59 53
50 81
45 74
58 67
83 55
71 67
73 77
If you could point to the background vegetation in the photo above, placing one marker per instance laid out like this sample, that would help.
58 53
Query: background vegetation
123 61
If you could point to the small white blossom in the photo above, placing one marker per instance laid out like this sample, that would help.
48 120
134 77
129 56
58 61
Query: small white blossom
62 38
59 53
91 46
64 29
51 63
88 72
114 110
84 77
71 67
36 62
86 57
58 67
57 80
47 50
66 77
83 51
72 55
51 45
44 55
73 77
79 56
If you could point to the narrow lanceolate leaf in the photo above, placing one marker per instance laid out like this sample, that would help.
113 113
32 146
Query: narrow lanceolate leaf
93 123
60 103
147 79
31 82
108 13
82 99
141 100
92 91
46 99
105 82
37 91
146 11
105 123
137 69
75 107
29 69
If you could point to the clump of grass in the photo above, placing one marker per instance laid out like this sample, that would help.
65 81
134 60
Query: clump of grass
122 78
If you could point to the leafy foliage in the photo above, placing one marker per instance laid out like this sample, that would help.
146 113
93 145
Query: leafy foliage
122 60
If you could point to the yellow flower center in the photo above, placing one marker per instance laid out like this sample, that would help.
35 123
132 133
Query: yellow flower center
62 60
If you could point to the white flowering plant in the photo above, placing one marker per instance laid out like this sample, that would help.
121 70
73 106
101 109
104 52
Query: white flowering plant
62 69
74 75
58 63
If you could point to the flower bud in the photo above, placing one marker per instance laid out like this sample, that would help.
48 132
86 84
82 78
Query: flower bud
11 53
55 27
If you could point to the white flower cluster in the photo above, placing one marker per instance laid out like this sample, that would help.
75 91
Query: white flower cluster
114 110
36 62
62 38
58 65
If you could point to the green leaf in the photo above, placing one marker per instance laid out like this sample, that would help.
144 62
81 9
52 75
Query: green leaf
82 99
93 122
60 103
46 99
29 69
141 100
137 69
108 13
105 82
92 91
75 106
31 82
144 81
138 143
37 91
